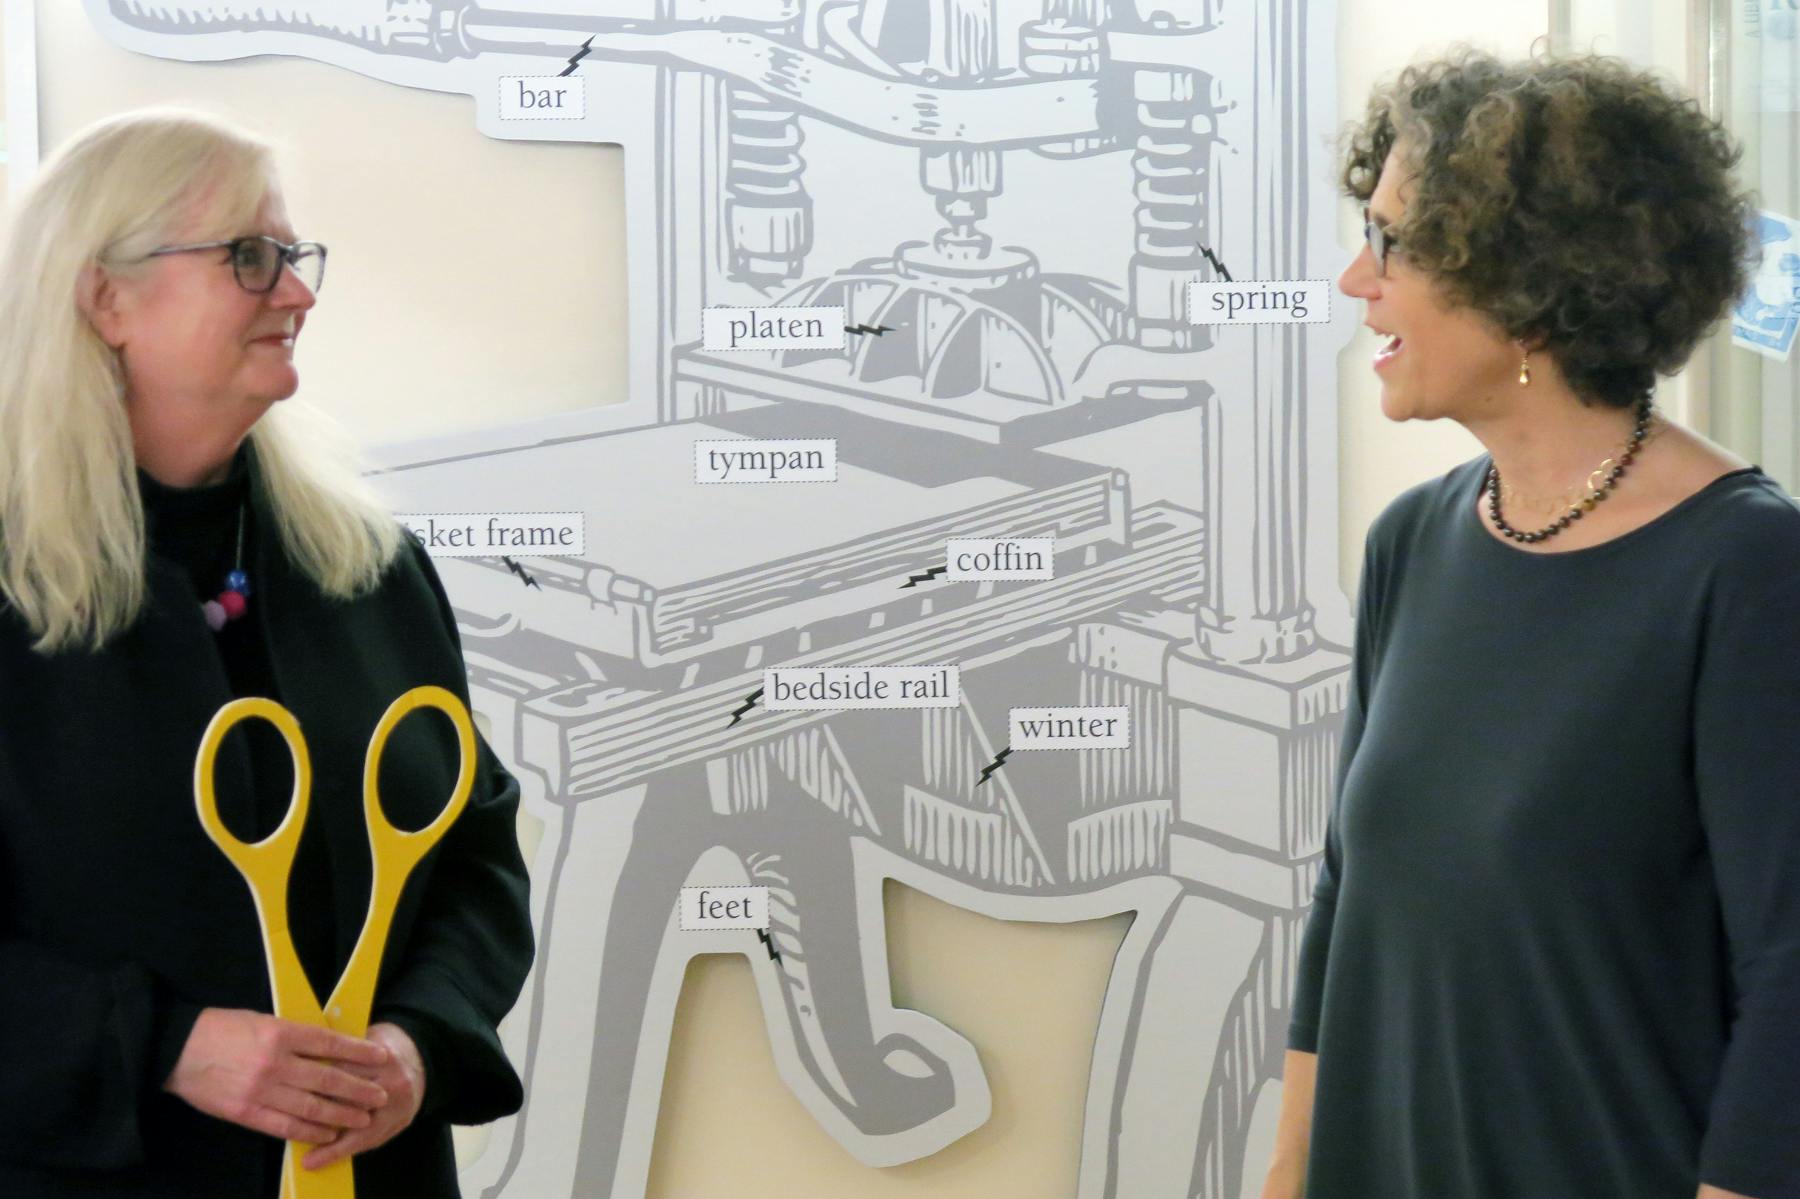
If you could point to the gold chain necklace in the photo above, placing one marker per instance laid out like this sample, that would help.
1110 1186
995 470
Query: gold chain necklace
1608 477
1550 505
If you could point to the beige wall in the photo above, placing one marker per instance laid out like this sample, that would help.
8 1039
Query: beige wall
7 117
392 179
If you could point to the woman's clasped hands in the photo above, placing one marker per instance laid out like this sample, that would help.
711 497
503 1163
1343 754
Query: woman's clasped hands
343 1095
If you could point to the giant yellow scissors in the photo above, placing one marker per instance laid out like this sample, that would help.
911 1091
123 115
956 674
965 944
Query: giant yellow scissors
267 864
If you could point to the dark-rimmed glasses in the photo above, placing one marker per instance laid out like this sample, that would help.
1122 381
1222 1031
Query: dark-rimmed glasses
1381 241
256 261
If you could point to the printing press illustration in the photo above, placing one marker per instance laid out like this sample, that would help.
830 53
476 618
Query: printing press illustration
1005 201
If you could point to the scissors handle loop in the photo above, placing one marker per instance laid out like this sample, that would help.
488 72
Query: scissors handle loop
396 851
277 849
266 864
396 845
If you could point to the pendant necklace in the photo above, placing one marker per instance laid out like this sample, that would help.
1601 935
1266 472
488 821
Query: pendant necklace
232 602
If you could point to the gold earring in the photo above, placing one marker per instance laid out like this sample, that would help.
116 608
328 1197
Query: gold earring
1524 371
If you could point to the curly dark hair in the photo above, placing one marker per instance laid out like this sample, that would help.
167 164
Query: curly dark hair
1582 205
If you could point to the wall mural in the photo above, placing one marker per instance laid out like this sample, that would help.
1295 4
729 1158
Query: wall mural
972 524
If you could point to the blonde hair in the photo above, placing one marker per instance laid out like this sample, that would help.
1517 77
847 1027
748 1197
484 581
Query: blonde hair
72 547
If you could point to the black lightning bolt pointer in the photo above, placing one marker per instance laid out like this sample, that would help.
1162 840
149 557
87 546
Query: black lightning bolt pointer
1214 259
520 571
749 702
580 54
997 763
929 575
877 330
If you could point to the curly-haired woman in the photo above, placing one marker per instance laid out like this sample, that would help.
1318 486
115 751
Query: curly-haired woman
1555 946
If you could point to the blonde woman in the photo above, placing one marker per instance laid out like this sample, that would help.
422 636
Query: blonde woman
171 539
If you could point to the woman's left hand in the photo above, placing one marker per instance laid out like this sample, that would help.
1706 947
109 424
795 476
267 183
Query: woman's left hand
403 1078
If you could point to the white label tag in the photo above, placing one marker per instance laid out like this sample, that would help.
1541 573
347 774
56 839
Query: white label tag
1278 302
782 328
543 98
828 688
1000 558
1069 728
744 460
491 534
724 907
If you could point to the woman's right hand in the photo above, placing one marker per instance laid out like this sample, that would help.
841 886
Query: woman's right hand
1293 1128
1284 1181
276 1077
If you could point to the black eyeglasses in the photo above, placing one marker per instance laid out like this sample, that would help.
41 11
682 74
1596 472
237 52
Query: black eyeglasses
1381 241
256 261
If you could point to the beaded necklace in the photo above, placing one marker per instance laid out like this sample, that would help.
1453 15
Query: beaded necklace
1608 481
231 603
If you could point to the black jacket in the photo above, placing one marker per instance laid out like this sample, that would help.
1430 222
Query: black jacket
119 919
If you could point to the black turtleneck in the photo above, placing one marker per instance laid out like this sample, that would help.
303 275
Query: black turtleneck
198 529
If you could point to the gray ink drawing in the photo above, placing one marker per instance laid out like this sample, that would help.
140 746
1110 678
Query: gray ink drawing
1007 200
